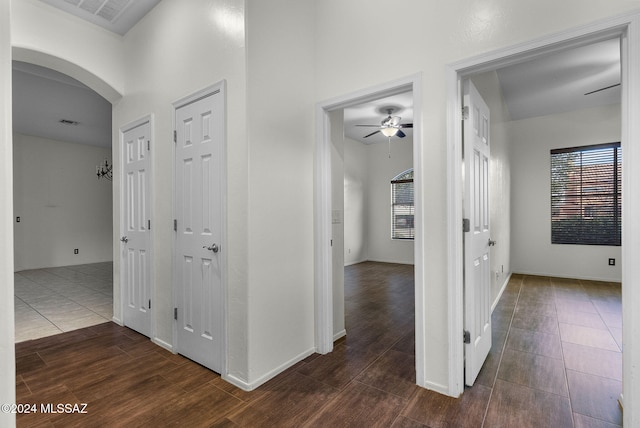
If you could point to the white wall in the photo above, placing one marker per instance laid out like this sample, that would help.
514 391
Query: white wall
61 204
382 169
46 36
499 180
533 252
356 202
281 130
367 183
7 339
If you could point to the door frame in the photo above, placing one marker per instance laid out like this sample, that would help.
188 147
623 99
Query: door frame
220 87
323 266
626 26
123 129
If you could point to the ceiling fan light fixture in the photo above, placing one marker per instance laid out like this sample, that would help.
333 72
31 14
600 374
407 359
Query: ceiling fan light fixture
389 131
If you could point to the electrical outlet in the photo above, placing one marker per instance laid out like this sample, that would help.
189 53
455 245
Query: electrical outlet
75 251
612 262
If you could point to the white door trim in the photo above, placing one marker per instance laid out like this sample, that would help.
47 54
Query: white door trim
626 26
220 87
123 130
323 264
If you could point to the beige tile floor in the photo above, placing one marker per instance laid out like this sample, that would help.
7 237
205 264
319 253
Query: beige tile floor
54 300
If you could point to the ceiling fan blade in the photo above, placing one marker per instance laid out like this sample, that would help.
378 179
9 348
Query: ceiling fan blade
602 89
400 134
369 135
406 125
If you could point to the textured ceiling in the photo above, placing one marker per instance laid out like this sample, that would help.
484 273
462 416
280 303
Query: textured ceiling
553 84
43 97
558 82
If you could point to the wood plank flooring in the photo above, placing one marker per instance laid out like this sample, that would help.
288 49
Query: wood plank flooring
555 362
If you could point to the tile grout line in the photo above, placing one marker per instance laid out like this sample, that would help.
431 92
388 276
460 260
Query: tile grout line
564 361
504 346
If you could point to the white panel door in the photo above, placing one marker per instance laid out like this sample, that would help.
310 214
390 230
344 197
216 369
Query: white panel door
136 260
198 175
477 271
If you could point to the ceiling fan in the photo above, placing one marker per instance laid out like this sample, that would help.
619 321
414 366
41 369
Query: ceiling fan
390 126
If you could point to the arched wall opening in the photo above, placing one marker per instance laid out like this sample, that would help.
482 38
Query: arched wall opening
69 68
92 196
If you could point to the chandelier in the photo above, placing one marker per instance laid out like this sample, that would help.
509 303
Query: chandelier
105 170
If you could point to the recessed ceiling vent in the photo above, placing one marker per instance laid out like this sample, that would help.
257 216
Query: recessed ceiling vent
114 15
109 10
69 122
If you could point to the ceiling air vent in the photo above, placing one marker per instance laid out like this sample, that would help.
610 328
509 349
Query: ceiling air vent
114 15
109 10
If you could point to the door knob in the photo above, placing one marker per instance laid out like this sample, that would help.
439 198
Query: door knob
124 239
492 243
213 247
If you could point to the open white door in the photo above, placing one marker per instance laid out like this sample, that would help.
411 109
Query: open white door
477 240
199 138
136 256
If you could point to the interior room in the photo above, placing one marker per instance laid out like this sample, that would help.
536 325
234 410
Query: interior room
369 168
62 210
366 162
275 255
580 282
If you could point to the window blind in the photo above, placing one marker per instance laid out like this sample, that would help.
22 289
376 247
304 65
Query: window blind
402 208
586 195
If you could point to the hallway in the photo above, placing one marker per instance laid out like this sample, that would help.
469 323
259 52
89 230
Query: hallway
555 362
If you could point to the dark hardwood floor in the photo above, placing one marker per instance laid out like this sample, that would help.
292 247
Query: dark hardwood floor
555 362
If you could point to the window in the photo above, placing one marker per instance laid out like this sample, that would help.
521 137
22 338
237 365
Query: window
402 209
586 195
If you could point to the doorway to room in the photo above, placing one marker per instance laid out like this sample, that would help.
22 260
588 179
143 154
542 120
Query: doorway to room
495 61
62 208
373 229
330 257
545 318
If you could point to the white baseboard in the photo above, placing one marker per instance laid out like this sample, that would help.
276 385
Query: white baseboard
117 321
354 263
396 262
440 389
504 286
553 275
239 383
250 386
339 335
163 344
